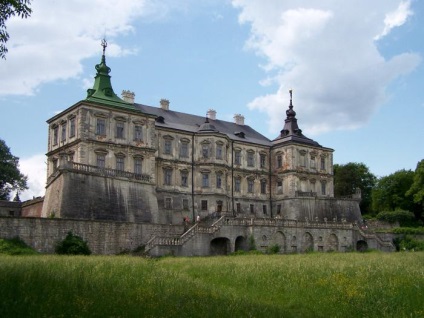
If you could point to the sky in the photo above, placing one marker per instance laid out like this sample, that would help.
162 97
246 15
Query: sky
355 68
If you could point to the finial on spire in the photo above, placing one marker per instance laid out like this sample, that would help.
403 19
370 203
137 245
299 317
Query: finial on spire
291 96
104 44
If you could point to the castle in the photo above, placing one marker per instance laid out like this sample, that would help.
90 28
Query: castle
196 185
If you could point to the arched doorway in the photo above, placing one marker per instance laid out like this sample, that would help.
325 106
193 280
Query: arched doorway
220 246
361 246
241 244
308 242
333 243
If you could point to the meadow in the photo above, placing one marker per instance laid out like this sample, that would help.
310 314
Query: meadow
308 285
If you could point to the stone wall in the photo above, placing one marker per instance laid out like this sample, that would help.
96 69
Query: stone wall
81 195
103 237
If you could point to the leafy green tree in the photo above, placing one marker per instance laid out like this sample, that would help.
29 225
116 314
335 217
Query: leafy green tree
8 9
352 176
390 192
416 191
10 177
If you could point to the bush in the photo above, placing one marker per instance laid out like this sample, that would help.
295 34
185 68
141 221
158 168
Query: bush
408 243
15 246
252 243
408 230
73 245
273 249
405 218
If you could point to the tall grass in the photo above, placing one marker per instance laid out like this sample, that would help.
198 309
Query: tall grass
312 285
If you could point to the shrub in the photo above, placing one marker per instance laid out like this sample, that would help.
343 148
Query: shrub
408 243
15 246
405 218
73 245
273 249
252 244
408 230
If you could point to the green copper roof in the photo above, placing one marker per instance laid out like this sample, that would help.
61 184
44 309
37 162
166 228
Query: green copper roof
102 91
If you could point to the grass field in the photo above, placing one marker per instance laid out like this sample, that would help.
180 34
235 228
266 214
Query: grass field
309 285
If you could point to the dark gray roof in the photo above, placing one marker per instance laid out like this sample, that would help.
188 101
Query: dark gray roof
196 124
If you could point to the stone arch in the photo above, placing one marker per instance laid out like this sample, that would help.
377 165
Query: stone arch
279 239
308 242
220 246
361 246
333 242
241 244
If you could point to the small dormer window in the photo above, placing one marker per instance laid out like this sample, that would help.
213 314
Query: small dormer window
240 134
160 119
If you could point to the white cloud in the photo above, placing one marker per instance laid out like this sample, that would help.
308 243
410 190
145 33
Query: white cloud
35 168
326 52
396 18
51 44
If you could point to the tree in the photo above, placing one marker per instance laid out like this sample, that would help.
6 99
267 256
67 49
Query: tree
10 177
390 192
352 176
8 9
416 191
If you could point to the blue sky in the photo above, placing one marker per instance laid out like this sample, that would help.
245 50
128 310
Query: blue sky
355 67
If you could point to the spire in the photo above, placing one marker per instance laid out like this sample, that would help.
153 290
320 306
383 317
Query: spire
102 90
291 131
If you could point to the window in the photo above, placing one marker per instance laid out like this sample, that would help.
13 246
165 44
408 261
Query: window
237 184
250 185
279 187
238 207
120 163
63 133
138 133
71 157
252 209
250 159
322 163
218 180
55 161
101 127
168 147
184 178
138 165
263 160
120 129
167 176
205 180
278 209
218 151
72 127
205 151
263 186
55 135
184 150
101 160
204 205
168 203
279 161
312 163
264 209
303 159
185 204
237 157
323 187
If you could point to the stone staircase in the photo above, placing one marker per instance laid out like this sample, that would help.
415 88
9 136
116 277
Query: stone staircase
196 229
369 235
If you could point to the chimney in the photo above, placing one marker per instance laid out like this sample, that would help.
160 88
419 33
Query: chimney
239 119
164 104
128 96
211 114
